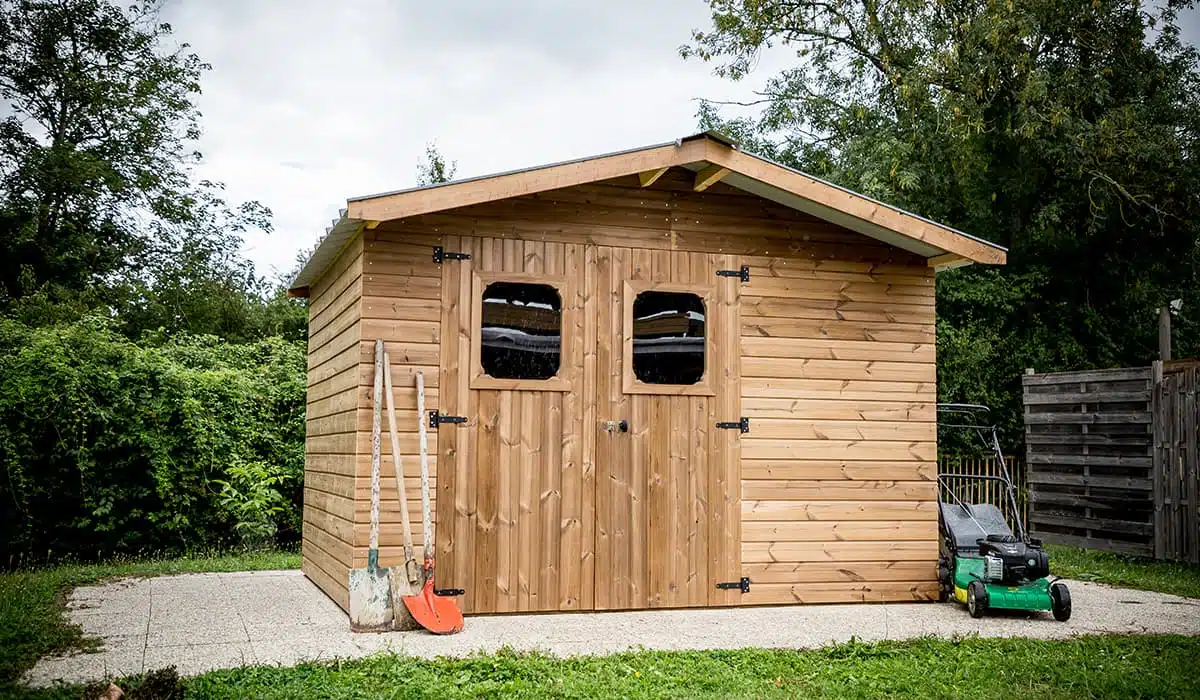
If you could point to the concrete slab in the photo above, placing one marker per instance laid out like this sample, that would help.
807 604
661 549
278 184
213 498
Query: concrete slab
200 622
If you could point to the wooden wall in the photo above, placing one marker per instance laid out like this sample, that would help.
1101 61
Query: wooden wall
401 304
331 436
839 468
838 377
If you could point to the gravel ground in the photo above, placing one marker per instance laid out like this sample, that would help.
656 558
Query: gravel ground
201 622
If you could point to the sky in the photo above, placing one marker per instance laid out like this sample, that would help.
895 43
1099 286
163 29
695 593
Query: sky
310 102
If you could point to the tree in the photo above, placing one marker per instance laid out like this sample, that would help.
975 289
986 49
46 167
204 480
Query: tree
98 204
1067 131
434 169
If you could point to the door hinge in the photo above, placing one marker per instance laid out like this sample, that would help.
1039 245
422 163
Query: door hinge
743 585
436 419
440 255
743 274
448 592
741 425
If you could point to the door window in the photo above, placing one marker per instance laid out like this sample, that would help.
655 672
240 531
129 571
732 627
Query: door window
668 337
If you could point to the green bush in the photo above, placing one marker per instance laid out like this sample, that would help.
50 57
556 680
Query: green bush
110 446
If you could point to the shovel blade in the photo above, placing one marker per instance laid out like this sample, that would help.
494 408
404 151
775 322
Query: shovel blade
438 614
370 600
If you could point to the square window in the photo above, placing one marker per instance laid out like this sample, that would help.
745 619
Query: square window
668 337
521 331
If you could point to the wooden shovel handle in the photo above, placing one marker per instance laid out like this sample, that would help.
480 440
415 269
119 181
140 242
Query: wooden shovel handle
397 468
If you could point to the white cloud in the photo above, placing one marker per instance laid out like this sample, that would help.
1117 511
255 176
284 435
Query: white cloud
310 102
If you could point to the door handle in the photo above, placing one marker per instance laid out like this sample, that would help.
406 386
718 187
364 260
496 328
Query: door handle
619 426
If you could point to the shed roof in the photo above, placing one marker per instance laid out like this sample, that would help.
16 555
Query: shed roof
710 155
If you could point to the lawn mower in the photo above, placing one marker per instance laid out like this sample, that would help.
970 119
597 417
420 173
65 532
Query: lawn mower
982 562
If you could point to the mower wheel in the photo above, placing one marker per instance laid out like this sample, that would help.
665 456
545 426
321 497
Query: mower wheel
977 599
945 585
1060 602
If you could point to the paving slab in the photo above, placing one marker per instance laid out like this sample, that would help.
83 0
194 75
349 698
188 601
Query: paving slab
201 622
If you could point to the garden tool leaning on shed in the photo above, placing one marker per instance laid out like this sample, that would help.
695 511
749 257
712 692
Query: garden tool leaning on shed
370 588
406 578
435 609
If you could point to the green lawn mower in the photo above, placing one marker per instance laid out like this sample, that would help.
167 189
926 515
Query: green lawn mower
982 562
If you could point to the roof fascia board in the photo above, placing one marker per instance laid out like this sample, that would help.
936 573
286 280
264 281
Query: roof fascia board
854 205
466 193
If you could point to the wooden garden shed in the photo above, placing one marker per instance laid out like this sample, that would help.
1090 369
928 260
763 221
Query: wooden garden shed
684 375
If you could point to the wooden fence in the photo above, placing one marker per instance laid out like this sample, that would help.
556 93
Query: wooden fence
1176 479
1112 460
956 482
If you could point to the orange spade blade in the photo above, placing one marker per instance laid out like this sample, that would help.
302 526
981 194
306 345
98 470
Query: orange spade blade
438 614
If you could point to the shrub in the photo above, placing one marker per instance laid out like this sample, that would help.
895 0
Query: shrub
110 446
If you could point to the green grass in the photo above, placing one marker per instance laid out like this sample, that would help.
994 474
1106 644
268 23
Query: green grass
31 619
1125 571
1088 667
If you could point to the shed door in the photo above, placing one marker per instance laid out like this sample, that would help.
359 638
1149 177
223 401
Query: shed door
543 503
667 478
512 490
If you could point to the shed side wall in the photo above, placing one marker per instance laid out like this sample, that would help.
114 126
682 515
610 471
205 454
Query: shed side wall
333 337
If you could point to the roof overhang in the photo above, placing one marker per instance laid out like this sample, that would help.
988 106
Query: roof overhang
712 156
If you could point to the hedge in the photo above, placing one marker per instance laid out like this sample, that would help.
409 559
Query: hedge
113 447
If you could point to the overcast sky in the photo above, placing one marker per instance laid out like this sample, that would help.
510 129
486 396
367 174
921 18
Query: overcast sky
311 101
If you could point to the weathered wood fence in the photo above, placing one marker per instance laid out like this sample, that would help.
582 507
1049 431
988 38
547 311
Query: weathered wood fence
956 482
1112 460
1176 467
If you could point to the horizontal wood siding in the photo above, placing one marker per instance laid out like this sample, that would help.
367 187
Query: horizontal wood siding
839 466
330 455
401 305
836 334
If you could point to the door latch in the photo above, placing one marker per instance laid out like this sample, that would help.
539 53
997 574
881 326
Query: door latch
619 426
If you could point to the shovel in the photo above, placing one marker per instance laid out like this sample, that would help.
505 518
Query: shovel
406 579
370 588
436 613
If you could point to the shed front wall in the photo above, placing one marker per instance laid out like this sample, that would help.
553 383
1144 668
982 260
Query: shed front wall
835 348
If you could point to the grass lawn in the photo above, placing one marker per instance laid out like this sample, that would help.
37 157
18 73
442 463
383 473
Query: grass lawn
1125 571
31 620
1088 667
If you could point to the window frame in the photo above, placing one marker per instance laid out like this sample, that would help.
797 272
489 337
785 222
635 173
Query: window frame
630 384
564 379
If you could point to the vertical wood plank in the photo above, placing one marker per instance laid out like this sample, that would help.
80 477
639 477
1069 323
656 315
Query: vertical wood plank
487 476
601 375
725 537
527 474
449 451
551 505
588 494
572 548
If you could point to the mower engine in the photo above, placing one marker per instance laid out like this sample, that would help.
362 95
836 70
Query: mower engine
1009 561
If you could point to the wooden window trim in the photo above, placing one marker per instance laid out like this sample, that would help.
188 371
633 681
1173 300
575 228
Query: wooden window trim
565 379
630 384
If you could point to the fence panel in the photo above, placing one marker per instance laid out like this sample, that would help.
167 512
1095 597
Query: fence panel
1089 447
1176 468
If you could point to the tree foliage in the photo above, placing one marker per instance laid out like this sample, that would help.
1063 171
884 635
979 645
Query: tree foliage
434 169
99 205
1066 131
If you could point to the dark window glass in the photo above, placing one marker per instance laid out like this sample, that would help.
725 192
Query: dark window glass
668 338
522 331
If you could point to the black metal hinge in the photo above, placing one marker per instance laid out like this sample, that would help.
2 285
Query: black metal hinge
436 419
741 425
440 255
743 585
448 592
743 274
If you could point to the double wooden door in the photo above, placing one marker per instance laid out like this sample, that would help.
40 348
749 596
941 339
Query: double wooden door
600 487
